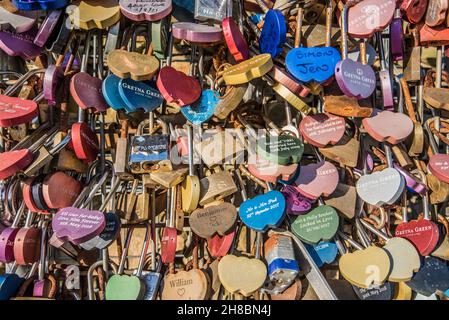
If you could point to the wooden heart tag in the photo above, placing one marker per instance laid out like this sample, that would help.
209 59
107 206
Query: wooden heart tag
136 66
16 111
77 225
241 274
213 219
319 224
317 179
322 129
185 285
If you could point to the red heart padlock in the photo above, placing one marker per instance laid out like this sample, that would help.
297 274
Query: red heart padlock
16 111
178 88
13 161
84 142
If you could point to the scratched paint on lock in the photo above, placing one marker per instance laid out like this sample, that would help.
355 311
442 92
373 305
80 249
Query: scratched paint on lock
203 109
139 95
273 34
312 64
263 211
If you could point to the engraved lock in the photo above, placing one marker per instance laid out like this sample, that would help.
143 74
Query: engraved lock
212 10
148 149
282 265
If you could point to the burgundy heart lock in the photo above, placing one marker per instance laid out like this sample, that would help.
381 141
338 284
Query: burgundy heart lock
87 93
178 88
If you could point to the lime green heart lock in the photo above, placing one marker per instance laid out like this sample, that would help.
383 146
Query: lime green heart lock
128 287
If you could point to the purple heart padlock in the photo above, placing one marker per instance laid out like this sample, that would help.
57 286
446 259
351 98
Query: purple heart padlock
396 39
296 203
20 44
77 225
354 78
47 27
52 79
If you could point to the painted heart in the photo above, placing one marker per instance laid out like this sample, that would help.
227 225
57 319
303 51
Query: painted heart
20 44
369 16
312 64
296 203
273 34
319 224
439 166
214 219
241 274
91 14
185 285
283 150
235 40
382 187
323 252
12 162
111 93
124 287
16 21
405 258
16 111
219 246
422 233
322 129
178 88
355 79
364 268
248 70
433 276
203 109
392 127
196 32
139 95
40 5
125 64
263 211
87 93
77 225
317 179
149 10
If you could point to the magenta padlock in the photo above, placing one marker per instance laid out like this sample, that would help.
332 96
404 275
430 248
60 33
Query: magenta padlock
396 38
413 184
295 203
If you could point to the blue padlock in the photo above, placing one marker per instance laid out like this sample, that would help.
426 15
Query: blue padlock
40 4
139 95
274 33
203 109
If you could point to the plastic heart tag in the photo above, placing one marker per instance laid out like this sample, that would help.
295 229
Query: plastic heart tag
263 211
312 64
273 34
